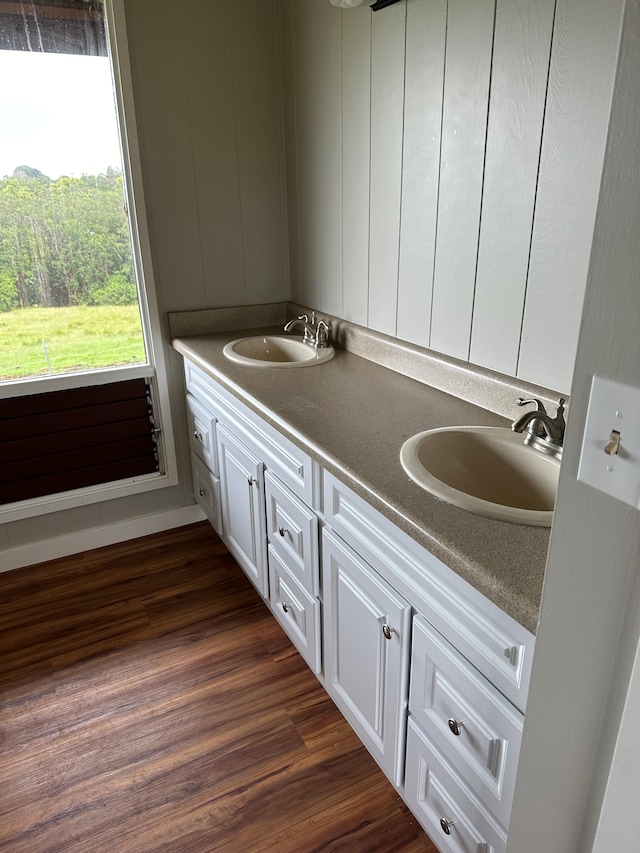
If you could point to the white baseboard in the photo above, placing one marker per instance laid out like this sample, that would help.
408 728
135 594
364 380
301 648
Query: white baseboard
96 537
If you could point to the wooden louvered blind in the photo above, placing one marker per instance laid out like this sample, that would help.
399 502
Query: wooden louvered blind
64 440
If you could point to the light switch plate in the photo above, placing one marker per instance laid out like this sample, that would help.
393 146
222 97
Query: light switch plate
613 408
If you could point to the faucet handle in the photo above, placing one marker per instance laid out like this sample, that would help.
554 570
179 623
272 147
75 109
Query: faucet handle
559 416
322 333
311 322
538 403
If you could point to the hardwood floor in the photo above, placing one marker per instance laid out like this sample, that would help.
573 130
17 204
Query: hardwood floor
150 702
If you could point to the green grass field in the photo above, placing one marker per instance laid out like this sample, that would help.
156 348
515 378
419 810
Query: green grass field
42 341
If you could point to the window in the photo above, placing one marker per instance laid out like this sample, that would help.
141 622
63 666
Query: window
77 308
68 291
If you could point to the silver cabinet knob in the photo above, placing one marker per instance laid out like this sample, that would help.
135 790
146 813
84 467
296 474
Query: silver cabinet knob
197 435
285 607
282 531
455 726
388 631
445 825
202 492
250 480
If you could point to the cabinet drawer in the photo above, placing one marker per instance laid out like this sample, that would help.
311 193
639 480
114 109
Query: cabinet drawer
470 721
292 529
206 489
202 433
296 610
494 642
448 811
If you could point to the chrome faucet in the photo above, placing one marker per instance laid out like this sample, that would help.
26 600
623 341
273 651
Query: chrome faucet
316 333
544 433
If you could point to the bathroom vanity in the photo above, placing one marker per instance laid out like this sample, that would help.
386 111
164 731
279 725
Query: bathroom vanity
417 617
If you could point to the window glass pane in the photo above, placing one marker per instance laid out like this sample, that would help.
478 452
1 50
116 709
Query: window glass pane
68 294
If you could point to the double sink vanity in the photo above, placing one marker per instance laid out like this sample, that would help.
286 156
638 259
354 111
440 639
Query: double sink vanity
336 488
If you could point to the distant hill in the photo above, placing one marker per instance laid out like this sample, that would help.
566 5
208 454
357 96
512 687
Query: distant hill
30 172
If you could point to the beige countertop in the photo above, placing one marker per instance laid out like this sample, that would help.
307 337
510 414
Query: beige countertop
353 416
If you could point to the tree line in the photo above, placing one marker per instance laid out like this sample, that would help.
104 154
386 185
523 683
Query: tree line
64 242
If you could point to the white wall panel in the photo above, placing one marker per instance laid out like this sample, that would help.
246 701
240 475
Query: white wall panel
356 138
426 34
253 49
387 108
215 151
161 81
318 105
464 129
290 146
521 54
208 89
583 61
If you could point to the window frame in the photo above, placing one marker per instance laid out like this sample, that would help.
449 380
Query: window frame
155 368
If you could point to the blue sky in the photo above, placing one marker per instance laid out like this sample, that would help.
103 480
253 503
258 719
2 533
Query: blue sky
56 114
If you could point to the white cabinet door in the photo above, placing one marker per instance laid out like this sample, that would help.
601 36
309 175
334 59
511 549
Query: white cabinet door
366 635
243 514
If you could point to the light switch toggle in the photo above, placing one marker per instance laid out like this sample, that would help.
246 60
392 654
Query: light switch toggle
612 447
607 462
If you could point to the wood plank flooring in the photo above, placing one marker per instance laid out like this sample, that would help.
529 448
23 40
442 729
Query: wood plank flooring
150 703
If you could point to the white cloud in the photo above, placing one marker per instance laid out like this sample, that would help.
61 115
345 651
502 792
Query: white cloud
57 114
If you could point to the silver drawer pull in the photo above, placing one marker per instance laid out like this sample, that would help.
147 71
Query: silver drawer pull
446 825
511 654
202 492
285 607
282 531
455 726
197 435
388 631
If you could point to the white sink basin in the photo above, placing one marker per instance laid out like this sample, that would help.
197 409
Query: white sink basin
486 470
276 351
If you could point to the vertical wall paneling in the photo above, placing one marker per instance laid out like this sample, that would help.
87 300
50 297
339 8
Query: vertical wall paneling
516 170
583 62
253 47
466 91
318 105
160 80
207 88
215 151
281 21
356 136
424 74
290 146
387 108
522 46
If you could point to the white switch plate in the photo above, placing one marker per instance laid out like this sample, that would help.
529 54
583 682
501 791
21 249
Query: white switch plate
612 406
